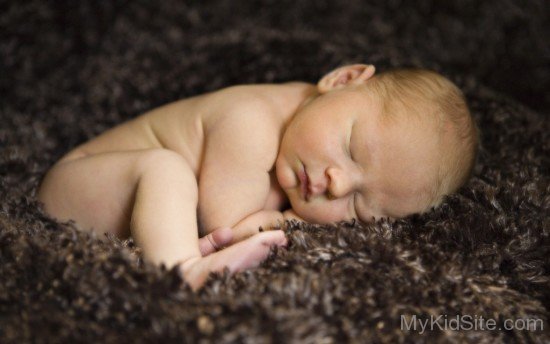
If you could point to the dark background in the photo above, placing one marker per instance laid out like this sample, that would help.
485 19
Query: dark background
71 69
154 52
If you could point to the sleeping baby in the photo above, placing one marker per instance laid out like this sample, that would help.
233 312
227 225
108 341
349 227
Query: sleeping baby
357 145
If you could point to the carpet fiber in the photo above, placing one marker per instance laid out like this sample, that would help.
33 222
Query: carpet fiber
71 69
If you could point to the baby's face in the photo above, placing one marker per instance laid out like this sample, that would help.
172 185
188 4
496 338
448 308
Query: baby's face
339 160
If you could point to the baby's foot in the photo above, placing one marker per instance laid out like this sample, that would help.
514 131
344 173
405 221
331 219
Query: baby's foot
243 255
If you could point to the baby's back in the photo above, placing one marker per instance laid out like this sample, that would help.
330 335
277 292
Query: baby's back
178 126
175 126
181 126
229 138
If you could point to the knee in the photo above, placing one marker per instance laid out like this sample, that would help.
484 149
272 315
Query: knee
167 164
161 159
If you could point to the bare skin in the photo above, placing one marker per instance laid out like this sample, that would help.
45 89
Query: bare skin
148 176
223 164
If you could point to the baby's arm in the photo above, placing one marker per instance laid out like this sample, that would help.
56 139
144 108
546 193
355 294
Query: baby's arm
164 226
267 219
157 190
234 181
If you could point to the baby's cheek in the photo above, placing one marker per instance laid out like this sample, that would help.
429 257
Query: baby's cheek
285 176
322 213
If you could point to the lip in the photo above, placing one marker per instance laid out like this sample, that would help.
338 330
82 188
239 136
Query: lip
304 182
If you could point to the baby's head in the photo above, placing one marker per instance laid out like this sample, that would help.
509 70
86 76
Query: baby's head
386 145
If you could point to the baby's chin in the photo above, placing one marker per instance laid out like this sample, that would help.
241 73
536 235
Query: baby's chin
311 216
298 208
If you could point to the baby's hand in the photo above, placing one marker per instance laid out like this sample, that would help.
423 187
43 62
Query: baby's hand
249 226
215 241
225 236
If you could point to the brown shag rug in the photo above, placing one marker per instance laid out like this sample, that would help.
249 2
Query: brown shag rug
71 69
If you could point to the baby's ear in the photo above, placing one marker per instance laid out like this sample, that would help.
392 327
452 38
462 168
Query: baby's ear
344 76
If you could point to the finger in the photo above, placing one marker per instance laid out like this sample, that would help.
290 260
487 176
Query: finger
275 237
215 240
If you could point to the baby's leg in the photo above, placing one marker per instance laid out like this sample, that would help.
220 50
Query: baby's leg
153 194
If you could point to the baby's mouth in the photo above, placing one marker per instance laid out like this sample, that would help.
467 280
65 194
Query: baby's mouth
304 183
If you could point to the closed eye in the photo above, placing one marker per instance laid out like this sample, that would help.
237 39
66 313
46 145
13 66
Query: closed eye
349 143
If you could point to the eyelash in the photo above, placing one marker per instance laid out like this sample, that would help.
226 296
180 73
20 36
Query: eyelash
349 148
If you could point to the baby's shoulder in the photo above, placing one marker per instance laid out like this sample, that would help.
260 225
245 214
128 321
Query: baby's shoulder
249 110
241 102
243 119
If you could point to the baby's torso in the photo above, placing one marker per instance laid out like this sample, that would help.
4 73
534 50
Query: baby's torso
182 126
175 126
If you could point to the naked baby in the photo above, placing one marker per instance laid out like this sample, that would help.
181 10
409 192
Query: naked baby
358 145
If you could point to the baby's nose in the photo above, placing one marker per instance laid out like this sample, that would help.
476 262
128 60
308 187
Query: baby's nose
340 184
